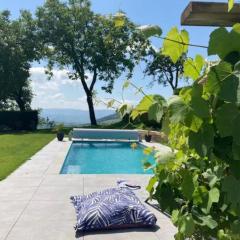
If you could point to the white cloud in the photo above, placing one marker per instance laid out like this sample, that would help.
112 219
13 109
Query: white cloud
59 92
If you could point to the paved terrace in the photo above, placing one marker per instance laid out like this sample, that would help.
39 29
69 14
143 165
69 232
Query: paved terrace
35 205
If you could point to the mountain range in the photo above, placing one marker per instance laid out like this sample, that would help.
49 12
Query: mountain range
74 116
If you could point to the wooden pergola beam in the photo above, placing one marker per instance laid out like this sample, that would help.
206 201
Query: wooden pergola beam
210 14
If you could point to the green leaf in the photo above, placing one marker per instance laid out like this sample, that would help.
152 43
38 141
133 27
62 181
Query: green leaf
164 157
175 44
110 103
187 225
187 185
155 112
211 177
236 151
193 122
230 186
151 183
230 89
175 216
142 107
200 107
145 104
222 236
178 109
150 30
230 5
148 150
213 197
216 75
126 84
193 68
237 66
202 141
208 221
223 42
236 130
200 195
119 19
235 227
226 114
165 196
124 109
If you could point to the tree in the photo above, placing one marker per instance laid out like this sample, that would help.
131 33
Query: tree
164 70
84 42
18 48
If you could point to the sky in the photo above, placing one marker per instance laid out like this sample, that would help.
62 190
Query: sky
60 92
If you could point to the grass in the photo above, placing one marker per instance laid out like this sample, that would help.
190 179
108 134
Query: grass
16 148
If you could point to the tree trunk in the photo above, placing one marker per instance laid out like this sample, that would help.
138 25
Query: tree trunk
20 104
91 111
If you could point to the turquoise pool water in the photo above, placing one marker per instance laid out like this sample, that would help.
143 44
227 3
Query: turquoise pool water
105 158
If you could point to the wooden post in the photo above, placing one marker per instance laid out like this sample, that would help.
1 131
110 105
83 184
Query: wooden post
210 14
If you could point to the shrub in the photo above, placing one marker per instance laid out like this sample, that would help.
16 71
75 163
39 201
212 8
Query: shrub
16 120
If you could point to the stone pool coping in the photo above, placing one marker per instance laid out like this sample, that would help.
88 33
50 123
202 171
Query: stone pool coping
34 200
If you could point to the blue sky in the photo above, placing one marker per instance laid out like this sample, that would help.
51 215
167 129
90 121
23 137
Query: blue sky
63 93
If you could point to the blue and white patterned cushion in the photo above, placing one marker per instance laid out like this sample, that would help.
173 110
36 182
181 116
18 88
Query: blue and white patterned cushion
111 208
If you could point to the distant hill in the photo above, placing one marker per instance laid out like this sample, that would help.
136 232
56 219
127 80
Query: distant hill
74 116
109 119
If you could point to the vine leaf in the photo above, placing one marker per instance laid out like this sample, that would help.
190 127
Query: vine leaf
193 67
230 89
230 186
236 131
200 107
150 30
155 112
211 177
216 75
230 5
150 187
175 216
187 185
142 107
200 196
178 109
110 103
213 197
223 236
226 114
126 84
202 141
153 105
236 151
124 109
208 221
119 19
223 42
175 44
186 225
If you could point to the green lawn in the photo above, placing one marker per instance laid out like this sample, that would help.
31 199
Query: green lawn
16 148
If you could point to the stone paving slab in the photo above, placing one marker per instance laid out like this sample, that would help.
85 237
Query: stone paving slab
35 204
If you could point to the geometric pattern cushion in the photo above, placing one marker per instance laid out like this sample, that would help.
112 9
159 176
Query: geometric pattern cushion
111 208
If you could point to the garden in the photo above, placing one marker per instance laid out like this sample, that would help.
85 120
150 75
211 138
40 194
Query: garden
198 182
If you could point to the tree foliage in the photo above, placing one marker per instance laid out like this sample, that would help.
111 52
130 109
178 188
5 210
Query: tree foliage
198 181
18 48
163 69
88 43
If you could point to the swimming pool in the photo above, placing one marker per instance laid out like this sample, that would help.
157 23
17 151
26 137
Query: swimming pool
105 158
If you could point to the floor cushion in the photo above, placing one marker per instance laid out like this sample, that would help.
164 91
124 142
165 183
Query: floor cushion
110 209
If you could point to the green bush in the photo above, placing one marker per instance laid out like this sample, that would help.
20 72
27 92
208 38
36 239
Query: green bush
16 120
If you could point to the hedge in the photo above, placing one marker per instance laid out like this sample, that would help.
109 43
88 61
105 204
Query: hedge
16 120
